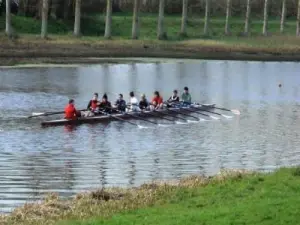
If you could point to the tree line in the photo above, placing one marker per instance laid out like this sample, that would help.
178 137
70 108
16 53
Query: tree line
161 31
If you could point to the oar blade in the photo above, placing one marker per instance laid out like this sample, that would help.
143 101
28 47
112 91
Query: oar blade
235 111
37 114
214 117
226 116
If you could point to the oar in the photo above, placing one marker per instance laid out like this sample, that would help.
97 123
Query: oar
203 114
167 114
154 114
37 114
199 109
234 111
135 116
107 114
188 115
44 114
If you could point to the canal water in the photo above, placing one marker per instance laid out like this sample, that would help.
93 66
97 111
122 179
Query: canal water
35 160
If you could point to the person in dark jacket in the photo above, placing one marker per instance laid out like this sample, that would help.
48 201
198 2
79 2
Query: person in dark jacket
143 104
105 105
120 104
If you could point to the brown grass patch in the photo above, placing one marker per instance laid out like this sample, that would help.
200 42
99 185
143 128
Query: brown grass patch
106 202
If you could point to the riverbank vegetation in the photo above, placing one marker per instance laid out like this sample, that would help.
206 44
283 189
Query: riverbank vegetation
94 26
225 29
157 26
232 197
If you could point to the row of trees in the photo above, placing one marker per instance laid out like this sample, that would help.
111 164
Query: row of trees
161 31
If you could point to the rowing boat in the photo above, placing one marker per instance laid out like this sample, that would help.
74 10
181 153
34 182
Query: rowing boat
129 115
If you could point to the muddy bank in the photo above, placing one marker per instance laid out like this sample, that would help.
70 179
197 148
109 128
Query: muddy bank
14 53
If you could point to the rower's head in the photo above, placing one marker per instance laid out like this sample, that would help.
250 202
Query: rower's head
175 92
104 98
120 96
131 94
186 89
95 97
143 96
156 93
71 101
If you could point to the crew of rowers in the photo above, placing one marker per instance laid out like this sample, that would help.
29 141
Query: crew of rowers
96 107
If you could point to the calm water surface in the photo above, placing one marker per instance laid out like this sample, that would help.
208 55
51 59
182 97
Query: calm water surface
35 160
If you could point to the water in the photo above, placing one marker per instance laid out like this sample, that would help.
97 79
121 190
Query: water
35 160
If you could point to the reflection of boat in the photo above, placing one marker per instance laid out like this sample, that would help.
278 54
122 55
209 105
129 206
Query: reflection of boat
129 115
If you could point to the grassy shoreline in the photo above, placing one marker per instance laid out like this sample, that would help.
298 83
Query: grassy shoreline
66 49
62 47
231 197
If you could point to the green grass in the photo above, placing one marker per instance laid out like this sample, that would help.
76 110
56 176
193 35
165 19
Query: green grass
122 25
260 199
228 198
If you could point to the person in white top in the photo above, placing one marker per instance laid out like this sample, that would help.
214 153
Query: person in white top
134 103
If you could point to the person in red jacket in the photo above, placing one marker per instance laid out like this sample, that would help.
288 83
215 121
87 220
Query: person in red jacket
70 111
157 101
93 105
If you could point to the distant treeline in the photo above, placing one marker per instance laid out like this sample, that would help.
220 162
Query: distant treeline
65 8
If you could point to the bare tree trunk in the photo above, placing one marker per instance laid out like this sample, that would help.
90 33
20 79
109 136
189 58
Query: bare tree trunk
135 20
160 25
265 25
283 14
184 17
247 20
207 19
298 20
8 29
77 18
228 13
45 19
108 20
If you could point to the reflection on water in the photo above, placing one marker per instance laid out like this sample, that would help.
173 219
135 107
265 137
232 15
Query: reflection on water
34 161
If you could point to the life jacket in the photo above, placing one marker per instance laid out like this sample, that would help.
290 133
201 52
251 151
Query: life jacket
94 104
70 112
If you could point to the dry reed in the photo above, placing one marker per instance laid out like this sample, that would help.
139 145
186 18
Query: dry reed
106 202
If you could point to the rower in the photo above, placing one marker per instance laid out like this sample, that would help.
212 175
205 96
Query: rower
70 111
173 99
144 104
186 96
133 102
120 104
93 105
105 105
157 101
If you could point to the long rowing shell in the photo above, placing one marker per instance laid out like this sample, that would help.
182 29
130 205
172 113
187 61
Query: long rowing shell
107 118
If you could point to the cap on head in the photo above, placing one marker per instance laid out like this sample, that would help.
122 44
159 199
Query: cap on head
71 101
131 94
143 96
186 88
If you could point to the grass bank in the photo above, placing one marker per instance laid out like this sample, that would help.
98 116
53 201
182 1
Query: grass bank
234 197
62 47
